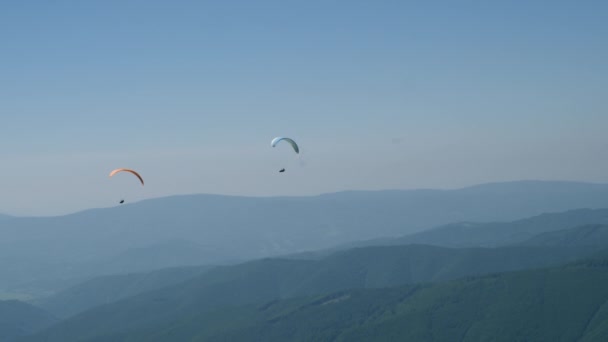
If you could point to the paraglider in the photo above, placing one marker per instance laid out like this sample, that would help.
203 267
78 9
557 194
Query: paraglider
141 180
290 141
130 171
293 144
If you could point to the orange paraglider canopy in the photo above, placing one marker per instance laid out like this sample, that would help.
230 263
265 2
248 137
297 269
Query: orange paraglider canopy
127 170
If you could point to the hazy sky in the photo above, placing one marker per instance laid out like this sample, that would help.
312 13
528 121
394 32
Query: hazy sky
379 94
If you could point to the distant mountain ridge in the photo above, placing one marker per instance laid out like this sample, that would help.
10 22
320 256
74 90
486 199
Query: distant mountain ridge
231 228
109 289
494 234
491 234
5 217
19 319
587 235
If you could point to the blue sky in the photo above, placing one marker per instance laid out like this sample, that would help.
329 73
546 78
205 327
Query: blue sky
380 94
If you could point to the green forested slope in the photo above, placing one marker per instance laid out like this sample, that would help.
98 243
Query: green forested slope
262 281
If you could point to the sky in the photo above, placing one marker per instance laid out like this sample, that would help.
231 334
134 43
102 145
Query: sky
378 94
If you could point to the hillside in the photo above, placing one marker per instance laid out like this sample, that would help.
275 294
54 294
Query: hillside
19 319
60 251
166 254
108 289
587 235
581 241
502 233
559 304
562 304
271 279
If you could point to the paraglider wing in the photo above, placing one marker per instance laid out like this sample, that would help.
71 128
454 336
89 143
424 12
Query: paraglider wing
293 144
127 170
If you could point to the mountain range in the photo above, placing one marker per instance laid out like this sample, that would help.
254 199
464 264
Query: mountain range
43 254
257 283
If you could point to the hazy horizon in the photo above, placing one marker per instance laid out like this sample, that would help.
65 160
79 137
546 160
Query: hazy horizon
379 96
137 199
